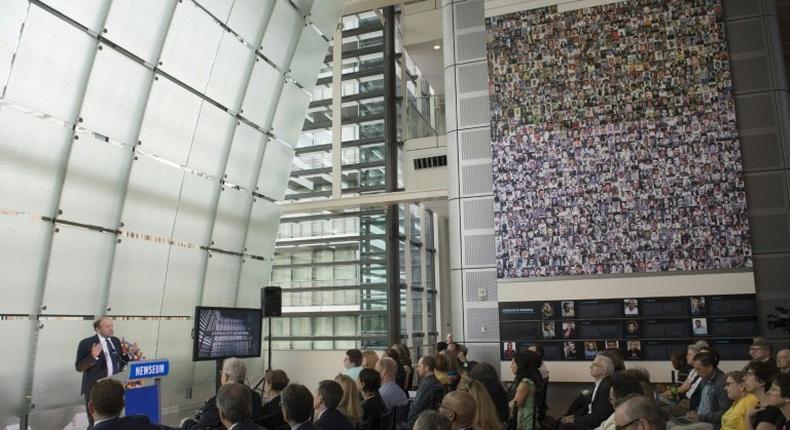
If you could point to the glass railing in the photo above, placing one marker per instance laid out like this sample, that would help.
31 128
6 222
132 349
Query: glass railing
424 117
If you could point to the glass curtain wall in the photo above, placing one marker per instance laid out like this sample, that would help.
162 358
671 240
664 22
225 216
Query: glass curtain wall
333 266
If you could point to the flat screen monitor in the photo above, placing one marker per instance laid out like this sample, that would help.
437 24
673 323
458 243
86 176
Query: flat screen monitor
226 332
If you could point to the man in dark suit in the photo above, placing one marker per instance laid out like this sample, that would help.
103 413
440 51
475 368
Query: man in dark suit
430 392
297 402
99 356
234 402
329 395
597 406
106 404
233 371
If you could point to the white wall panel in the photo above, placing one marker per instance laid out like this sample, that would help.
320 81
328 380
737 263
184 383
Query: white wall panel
169 122
78 271
191 31
18 336
140 26
32 152
245 154
152 197
22 257
51 66
14 12
248 18
95 176
55 381
138 276
231 220
275 169
222 276
184 280
212 138
116 94
282 34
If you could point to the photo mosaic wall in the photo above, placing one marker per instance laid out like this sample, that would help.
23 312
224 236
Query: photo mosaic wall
614 139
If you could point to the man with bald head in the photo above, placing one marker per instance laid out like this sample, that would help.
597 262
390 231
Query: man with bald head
459 407
639 412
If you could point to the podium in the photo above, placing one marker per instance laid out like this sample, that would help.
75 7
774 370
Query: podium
144 399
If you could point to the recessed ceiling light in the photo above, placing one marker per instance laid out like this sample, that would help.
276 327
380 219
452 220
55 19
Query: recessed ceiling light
437 47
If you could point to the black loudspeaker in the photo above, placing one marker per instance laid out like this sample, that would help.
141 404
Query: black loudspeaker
272 301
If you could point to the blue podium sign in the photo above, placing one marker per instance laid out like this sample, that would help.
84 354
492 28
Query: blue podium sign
148 369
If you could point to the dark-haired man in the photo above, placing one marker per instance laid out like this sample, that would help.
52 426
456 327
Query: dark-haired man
713 396
105 406
327 398
352 363
430 392
297 403
99 356
234 402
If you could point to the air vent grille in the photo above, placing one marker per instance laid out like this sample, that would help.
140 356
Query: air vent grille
430 162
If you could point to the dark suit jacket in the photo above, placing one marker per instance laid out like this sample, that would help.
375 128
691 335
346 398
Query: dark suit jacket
372 411
137 422
272 415
601 407
209 415
429 395
95 369
247 425
332 419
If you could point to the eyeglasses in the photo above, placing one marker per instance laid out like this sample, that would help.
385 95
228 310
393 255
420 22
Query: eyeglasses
626 424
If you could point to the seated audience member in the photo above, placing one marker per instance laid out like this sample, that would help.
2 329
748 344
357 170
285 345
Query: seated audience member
544 371
526 384
783 360
625 384
274 383
742 402
369 359
430 391
233 371
639 413
713 400
488 376
463 354
441 368
349 403
452 366
401 355
459 407
327 402
680 365
105 406
234 402
297 403
390 392
597 407
778 396
688 388
373 406
431 420
352 363
616 356
761 350
486 416
757 380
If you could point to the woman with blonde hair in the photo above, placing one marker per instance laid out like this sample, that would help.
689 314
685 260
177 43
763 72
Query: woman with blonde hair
349 404
369 359
486 416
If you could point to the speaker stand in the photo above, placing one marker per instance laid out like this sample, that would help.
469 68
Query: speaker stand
269 362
